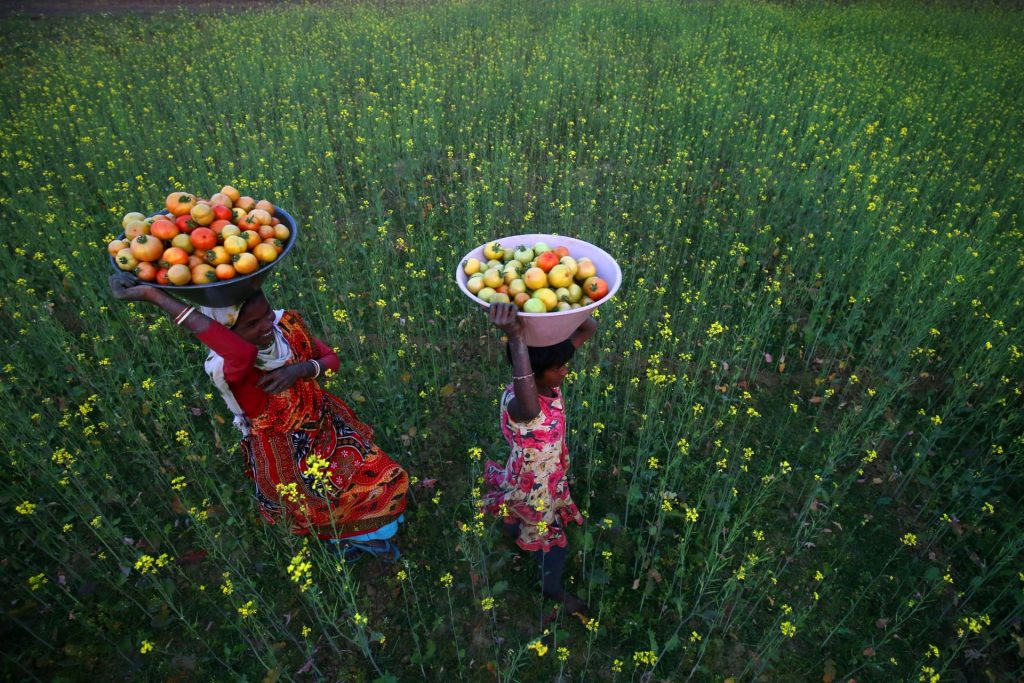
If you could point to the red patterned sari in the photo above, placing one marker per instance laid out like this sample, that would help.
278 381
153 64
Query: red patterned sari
314 462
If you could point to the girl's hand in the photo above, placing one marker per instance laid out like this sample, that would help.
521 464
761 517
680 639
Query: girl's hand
282 379
506 318
127 287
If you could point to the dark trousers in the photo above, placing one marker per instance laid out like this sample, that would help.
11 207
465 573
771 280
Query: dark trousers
551 564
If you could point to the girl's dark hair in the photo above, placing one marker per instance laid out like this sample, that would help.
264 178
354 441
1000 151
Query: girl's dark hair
545 357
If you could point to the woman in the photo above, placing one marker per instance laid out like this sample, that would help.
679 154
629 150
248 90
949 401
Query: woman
531 492
313 462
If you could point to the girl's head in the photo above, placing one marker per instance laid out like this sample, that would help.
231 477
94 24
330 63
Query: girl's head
549 363
255 321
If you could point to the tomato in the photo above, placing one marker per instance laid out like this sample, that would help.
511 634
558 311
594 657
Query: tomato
179 274
115 246
217 256
245 203
247 223
274 220
194 261
180 203
595 288
225 271
235 244
134 229
219 225
161 277
245 263
237 214
222 213
535 278
266 206
277 244
494 251
131 217
266 231
222 200
203 238
585 269
203 274
252 238
229 231
259 216
265 253
282 232
126 260
182 241
147 248
172 257
232 193
561 251
145 272
202 214
547 260
164 230
185 223
559 276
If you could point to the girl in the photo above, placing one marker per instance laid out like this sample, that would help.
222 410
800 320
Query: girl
531 491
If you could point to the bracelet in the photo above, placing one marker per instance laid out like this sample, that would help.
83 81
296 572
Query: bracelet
523 377
317 366
184 314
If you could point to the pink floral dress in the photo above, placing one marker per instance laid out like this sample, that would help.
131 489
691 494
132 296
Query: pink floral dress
532 489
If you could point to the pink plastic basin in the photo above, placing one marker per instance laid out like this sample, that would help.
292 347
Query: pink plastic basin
544 329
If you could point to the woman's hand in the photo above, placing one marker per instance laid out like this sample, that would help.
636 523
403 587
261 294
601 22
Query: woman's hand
282 379
506 318
127 287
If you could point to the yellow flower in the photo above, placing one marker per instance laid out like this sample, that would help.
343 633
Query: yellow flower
145 647
446 579
787 629
540 648
38 581
248 609
359 619
909 540
487 604
645 657
25 508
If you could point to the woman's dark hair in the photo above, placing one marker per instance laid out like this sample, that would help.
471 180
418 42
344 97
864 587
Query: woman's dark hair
545 357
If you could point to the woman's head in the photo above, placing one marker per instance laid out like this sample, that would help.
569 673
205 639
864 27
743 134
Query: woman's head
549 363
255 321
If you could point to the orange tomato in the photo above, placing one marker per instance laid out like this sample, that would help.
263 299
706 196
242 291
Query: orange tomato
561 251
203 238
147 248
266 206
179 274
266 231
259 216
222 200
282 232
174 257
245 263
202 214
225 271
217 256
203 274
115 246
145 272
164 229
134 229
247 223
180 203
265 253
245 203
232 193
252 238
194 261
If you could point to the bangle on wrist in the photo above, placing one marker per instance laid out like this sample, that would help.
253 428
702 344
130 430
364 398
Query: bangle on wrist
317 366
523 376
184 314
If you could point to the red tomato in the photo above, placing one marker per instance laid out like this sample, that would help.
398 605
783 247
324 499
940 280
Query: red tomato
222 213
561 251
164 229
145 272
185 223
595 288
203 238
161 277
547 260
